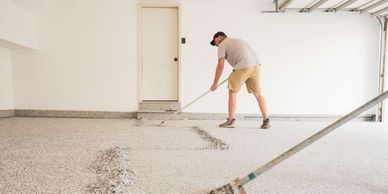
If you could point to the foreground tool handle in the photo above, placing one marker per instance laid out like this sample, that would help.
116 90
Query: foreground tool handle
192 102
229 189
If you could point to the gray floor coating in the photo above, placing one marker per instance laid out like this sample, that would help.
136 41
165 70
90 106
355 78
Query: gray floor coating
52 155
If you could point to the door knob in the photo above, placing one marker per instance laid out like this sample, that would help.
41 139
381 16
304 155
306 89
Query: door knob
175 59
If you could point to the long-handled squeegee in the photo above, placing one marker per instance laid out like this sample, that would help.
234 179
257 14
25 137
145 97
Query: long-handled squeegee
181 109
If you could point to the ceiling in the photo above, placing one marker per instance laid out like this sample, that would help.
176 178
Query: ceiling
373 6
328 4
36 6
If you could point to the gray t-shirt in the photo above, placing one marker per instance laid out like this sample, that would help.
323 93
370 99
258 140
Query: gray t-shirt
238 53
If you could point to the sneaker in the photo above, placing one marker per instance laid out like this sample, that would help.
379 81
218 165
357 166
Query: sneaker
266 124
228 124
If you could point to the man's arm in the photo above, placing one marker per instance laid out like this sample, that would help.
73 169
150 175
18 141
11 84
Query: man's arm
219 70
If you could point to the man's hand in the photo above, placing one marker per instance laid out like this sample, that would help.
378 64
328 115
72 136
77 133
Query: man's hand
214 87
220 68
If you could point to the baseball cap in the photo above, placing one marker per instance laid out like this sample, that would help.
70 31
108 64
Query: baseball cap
215 36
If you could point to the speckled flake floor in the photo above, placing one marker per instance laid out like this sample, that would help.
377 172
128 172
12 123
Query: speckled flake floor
52 155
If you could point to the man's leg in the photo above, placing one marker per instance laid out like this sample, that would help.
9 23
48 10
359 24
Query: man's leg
262 105
231 110
263 109
253 86
236 80
232 105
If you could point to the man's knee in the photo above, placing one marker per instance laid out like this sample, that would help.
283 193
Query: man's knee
258 95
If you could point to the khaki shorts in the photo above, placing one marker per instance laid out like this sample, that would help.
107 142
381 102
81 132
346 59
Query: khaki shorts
250 76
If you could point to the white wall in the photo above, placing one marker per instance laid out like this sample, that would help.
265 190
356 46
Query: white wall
86 59
6 89
312 64
386 89
386 103
17 25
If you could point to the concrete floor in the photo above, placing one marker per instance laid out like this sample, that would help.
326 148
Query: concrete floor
50 155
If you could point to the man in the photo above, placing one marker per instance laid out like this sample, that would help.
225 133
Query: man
246 70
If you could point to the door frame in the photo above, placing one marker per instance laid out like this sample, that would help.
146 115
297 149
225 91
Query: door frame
140 6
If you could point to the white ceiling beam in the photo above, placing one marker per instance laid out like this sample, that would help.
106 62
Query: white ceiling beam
365 4
379 12
373 6
284 5
344 5
314 6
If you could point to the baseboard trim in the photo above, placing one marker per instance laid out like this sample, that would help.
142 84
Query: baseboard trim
7 113
185 115
74 114
275 117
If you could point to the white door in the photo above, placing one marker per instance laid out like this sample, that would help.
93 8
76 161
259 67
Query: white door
160 54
